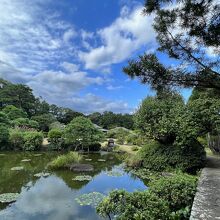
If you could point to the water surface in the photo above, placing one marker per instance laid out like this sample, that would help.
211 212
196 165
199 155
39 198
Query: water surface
53 197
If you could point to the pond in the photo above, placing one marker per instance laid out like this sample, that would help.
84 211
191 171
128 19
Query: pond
59 196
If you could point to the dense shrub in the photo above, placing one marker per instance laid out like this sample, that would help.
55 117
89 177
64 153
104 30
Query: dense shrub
4 136
81 133
55 138
25 123
178 190
4 119
137 205
32 140
16 138
44 120
159 157
64 160
13 112
166 198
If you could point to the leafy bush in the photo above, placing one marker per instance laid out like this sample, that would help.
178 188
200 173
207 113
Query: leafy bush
13 112
16 138
25 123
44 121
120 140
32 140
159 157
166 198
55 138
64 160
4 136
178 190
81 133
4 119
137 205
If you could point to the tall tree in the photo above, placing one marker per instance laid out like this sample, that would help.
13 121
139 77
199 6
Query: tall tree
189 32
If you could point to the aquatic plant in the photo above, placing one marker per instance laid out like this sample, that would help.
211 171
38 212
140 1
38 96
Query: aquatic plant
17 168
92 199
88 159
26 160
83 178
114 173
37 155
8 197
65 160
42 174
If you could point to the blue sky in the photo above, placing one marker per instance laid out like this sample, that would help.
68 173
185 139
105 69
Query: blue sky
72 52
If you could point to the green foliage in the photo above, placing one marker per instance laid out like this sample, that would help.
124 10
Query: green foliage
4 119
110 120
13 112
18 95
82 133
56 125
32 140
118 132
178 190
131 206
159 157
64 160
4 136
64 115
159 117
198 30
203 110
44 121
16 138
167 198
25 123
55 138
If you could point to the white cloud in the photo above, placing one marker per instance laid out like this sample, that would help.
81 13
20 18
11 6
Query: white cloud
111 87
92 103
37 48
124 36
68 35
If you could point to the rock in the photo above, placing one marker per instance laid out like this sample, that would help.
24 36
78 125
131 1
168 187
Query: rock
81 167
8 197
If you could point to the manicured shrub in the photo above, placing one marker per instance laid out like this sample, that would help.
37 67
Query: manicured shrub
55 139
25 123
16 138
178 190
32 140
159 157
65 160
81 133
166 198
137 205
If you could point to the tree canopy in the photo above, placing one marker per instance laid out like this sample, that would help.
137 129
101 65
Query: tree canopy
188 32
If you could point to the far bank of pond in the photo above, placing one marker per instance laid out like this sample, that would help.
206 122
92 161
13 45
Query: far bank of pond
57 195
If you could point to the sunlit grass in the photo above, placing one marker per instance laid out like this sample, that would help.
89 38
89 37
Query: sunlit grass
64 160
